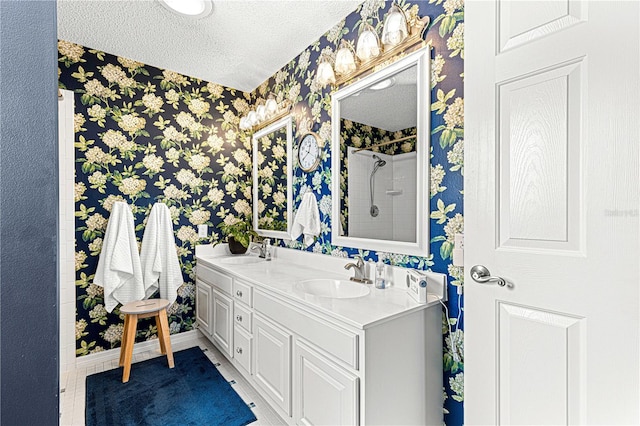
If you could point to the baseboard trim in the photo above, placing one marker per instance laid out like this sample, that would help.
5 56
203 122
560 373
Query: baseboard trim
114 354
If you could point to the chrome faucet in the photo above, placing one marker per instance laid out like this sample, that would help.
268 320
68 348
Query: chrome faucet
358 270
265 249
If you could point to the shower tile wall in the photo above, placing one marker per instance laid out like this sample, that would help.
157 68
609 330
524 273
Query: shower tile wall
361 223
404 204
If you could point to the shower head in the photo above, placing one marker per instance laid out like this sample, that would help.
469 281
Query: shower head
379 161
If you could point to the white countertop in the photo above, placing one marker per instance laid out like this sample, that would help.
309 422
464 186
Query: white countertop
287 268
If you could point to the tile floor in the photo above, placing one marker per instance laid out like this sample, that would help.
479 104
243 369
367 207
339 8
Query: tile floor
72 385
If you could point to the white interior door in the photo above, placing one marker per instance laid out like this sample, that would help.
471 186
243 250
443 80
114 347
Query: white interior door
551 205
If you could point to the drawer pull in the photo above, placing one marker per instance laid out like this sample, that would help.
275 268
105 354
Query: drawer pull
239 318
239 350
238 293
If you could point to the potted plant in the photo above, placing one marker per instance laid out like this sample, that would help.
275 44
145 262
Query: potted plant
238 232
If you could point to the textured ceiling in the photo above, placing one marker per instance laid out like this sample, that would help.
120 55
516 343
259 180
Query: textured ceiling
392 109
239 45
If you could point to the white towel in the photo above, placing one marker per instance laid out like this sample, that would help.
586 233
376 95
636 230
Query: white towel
160 264
307 219
119 270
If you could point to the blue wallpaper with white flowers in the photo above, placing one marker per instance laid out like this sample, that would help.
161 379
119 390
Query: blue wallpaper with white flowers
311 109
272 180
146 135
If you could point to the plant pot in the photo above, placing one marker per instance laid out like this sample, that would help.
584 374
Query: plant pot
235 247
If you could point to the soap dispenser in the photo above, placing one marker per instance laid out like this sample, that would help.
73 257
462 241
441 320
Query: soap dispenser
380 281
267 249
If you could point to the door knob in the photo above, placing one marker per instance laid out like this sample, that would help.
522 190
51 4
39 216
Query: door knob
481 274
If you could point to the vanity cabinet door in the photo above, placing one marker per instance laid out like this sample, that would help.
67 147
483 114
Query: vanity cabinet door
222 323
324 393
272 362
203 306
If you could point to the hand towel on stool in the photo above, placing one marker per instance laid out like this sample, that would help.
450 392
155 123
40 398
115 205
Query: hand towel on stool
119 270
160 264
307 219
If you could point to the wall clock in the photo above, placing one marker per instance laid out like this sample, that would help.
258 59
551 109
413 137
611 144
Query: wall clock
309 152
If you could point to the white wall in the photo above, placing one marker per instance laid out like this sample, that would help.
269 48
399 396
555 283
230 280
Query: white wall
397 213
66 249
404 204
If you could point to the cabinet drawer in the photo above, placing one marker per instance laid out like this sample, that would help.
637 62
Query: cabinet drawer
242 350
215 278
243 292
337 341
243 317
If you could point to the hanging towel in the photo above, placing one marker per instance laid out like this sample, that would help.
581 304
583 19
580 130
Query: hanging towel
119 270
160 264
307 219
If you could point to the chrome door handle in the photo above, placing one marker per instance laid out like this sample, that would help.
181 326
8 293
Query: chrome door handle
239 318
481 274
238 293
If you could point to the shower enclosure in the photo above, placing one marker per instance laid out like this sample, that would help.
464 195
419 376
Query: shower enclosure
381 195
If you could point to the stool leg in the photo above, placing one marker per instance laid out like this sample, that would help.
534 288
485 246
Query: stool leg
166 337
163 348
132 325
123 342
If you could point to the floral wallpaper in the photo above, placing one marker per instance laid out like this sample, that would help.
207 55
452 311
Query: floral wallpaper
358 135
311 110
145 135
272 180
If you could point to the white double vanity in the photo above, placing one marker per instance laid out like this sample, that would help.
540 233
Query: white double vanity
328 351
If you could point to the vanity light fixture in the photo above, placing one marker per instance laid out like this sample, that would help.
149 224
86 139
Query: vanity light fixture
271 105
345 61
401 32
325 73
265 113
395 26
261 111
189 8
368 46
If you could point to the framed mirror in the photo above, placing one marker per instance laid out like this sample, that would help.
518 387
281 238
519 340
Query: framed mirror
272 166
380 166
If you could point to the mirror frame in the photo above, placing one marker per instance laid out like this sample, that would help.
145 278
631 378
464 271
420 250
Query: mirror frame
421 59
285 122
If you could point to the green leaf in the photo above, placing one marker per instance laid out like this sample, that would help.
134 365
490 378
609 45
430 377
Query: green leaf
438 129
445 24
446 249
445 137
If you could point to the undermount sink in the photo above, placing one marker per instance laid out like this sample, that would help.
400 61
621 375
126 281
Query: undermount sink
335 289
241 260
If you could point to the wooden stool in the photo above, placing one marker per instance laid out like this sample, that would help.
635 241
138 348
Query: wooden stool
144 309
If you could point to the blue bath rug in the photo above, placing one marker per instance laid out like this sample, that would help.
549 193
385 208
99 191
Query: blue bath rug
191 393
